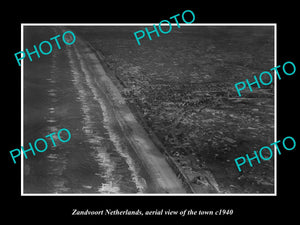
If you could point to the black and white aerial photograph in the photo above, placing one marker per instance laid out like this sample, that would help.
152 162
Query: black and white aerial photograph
168 113
162 117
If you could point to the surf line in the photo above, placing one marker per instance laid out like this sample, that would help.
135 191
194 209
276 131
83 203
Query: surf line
67 41
39 140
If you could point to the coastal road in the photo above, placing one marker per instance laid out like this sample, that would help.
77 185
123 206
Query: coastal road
109 152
